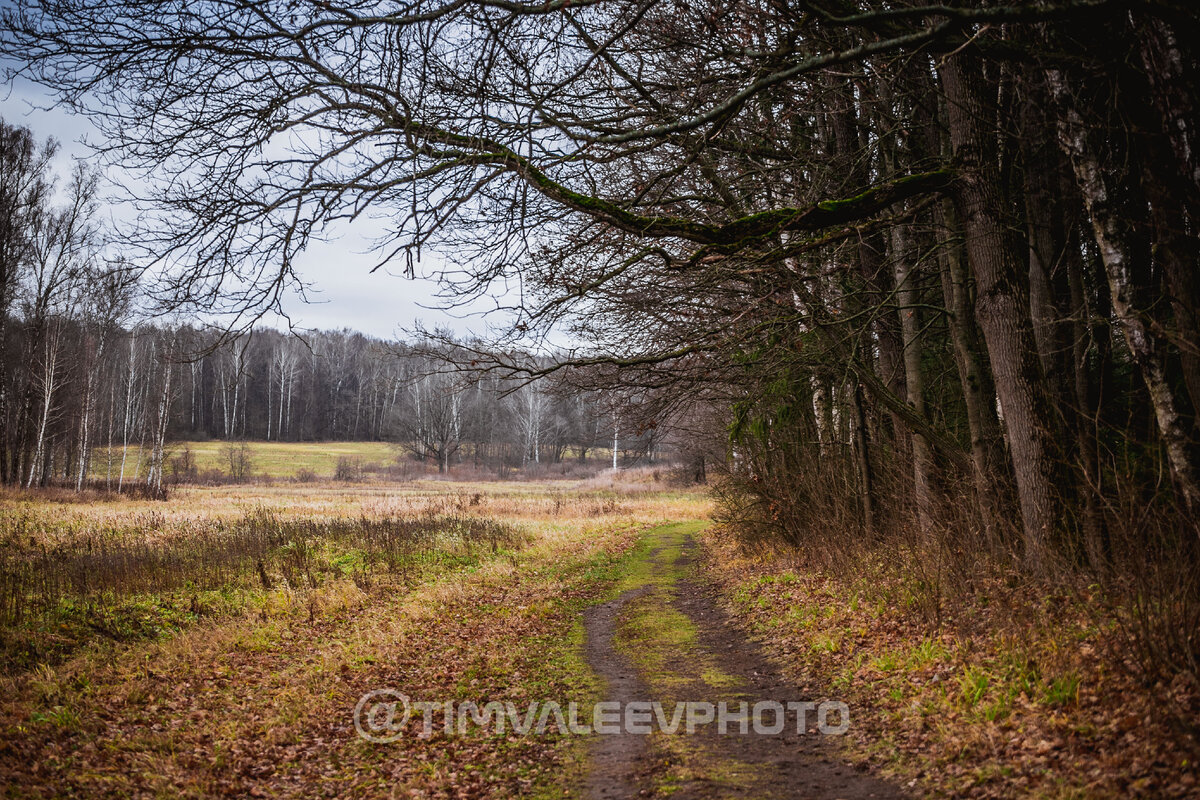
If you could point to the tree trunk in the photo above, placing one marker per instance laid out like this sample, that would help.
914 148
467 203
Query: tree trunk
130 383
1177 251
978 393
158 449
862 453
49 385
1125 266
1002 307
1047 237
890 363
1172 82
908 301
1095 541
616 438
92 377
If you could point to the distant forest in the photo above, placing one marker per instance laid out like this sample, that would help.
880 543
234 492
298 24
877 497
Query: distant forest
74 386
82 368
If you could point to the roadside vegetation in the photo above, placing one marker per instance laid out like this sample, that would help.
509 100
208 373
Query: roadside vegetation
216 642
970 685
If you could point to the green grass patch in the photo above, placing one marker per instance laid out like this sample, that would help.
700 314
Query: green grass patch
973 685
272 459
927 652
1063 690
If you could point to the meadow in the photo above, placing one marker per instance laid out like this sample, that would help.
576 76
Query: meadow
209 461
216 642
270 459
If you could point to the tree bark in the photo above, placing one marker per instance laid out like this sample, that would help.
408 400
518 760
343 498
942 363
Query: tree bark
154 476
979 396
1002 307
1084 341
1111 227
862 452
907 300
1125 264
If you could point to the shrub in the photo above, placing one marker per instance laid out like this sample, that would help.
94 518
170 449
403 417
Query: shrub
183 467
348 469
240 459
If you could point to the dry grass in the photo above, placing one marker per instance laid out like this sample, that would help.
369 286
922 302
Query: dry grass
130 582
127 568
208 462
1011 691
254 697
55 511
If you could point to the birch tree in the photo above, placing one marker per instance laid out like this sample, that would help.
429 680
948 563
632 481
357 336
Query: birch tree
746 202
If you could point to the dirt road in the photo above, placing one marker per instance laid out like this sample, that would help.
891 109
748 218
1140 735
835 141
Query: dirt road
666 639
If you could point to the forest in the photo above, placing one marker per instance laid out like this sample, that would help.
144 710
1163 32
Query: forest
917 283
85 367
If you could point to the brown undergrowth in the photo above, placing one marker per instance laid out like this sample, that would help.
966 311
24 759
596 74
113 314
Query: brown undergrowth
1007 691
256 697
263 706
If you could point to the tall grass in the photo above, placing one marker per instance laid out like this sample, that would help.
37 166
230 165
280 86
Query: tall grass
47 576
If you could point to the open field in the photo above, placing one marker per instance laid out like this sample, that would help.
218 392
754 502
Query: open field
289 460
202 668
272 459
217 643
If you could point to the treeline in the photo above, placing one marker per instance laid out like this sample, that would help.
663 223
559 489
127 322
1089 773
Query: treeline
105 405
1007 359
947 287
82 379
937 262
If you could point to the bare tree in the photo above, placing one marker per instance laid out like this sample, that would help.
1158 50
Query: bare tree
747 201
162 418
430 425
62 245
108 300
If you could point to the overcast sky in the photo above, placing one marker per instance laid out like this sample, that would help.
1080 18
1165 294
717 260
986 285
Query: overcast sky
345 292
